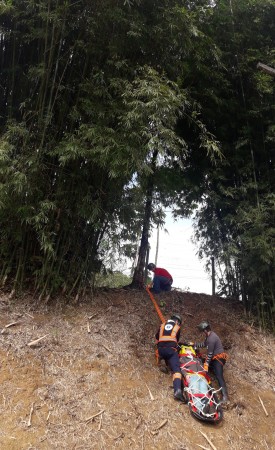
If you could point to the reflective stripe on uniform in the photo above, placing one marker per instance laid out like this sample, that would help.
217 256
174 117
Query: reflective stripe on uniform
177 375
172 336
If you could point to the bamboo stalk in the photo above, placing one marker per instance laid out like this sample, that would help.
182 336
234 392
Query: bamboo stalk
267 69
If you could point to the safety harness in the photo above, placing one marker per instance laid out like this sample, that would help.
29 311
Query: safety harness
220 356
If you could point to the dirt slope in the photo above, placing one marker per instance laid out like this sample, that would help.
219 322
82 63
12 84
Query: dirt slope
92 382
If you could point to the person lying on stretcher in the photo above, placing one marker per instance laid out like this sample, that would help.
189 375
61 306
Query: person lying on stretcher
197 379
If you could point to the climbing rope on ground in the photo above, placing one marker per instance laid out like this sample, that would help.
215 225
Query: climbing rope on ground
161 316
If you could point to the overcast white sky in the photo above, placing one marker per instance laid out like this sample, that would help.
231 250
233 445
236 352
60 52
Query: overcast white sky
177 254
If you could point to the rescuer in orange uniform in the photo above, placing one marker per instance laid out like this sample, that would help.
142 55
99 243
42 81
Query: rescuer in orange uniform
167 342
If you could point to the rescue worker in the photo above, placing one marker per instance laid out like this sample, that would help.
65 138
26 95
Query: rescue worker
167 342
162 280
216 357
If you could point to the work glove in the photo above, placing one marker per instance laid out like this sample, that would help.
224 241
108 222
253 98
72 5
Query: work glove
205 367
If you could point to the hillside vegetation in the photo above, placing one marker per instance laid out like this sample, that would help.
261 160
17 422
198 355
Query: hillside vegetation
92 381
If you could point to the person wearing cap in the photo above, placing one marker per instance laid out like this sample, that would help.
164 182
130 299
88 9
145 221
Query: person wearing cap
167 342
216 356
162 280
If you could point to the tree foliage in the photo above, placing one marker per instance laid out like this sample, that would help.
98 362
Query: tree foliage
113 110
85 87
236 221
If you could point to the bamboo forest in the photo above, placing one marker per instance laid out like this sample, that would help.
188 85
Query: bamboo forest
113 111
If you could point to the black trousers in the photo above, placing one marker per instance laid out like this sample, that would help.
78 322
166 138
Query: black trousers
171 357
217 366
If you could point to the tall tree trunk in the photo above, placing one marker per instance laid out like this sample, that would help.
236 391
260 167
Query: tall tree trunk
138 277
157 248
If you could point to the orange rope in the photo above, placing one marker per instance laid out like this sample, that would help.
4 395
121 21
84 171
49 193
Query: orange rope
161 316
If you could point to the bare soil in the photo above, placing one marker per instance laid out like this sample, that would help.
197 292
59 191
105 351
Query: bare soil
92 381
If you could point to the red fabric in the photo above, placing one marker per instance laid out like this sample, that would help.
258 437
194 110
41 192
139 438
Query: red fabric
162 273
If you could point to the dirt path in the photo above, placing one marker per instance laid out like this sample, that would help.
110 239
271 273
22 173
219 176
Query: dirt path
92 382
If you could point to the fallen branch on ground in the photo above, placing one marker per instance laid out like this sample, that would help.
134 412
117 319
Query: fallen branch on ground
34 343
106 348
30 415
27 314
155 431
208 440
11 324
151 395
93 315
100 422
121 435
95 415
8 326
262 403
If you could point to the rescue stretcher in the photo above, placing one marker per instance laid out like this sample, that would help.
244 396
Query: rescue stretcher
202 398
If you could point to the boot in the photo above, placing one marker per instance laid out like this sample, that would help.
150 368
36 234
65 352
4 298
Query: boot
178 396
224 396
